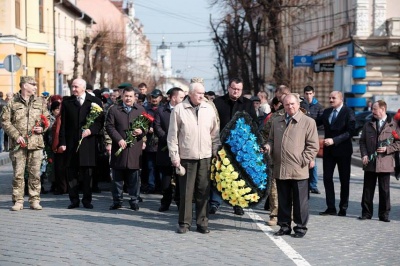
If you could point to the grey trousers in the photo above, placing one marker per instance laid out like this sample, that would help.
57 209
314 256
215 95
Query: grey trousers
196 182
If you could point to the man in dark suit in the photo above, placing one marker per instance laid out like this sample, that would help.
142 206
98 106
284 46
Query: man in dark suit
339 123
227 105
74 111
161 124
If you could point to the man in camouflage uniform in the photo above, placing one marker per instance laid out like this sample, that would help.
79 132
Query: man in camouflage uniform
21 120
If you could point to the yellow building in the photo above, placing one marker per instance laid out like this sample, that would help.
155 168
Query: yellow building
26 30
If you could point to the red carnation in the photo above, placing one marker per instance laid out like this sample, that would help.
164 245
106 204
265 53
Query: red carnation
395 135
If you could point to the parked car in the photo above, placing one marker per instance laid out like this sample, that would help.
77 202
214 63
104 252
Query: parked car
364 117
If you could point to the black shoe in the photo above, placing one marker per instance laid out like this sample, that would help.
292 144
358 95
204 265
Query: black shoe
328 212
315 191
342 213
299 234
115 206
73 206
42 190
135 206
96 190
182 229
282 232
238 210
213 210
203 230
88 205
163 208
363 217
384 219
140 199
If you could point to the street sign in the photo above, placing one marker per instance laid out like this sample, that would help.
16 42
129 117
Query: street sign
12 63
324 67
376 83
302 61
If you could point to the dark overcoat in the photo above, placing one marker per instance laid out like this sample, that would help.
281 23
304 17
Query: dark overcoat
161 125
117 123
73 118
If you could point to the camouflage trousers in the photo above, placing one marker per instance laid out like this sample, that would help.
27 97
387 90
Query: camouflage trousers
273 199
31 159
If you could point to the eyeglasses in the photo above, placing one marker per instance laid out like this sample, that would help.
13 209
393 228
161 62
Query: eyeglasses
235 89
33 84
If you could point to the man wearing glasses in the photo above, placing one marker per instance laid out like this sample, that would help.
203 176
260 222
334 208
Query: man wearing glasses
19 120
227 105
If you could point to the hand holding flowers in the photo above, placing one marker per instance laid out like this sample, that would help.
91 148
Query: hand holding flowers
38 128
95 111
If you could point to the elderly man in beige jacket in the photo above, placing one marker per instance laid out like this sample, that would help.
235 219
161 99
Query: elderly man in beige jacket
193 137
293 143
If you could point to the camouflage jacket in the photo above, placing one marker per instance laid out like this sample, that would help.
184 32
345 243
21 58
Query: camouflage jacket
19 117
267 127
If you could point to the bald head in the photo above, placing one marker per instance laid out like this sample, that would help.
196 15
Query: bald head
336 99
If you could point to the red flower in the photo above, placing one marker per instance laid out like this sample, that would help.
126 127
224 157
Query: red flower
23 145
148 117
395 135
50 160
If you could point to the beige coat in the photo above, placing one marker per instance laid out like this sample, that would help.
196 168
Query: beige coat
293 147
192 137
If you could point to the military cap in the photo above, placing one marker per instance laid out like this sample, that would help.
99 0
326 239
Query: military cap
156 93
27 79
255 99
124 85
45 94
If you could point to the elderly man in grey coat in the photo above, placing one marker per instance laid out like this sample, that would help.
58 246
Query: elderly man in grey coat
293 143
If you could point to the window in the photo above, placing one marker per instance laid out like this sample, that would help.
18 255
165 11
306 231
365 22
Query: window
18 14
41 16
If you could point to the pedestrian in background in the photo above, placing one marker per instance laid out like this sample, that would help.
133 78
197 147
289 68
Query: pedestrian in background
292 163
339 123
193 137
161 126
20 121
316 110
378 148
80 163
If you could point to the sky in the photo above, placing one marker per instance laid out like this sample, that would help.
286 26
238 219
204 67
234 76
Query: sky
186 22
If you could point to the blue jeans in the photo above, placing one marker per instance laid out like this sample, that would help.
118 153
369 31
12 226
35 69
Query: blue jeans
132 177
215 198
153 172
1 139
313 177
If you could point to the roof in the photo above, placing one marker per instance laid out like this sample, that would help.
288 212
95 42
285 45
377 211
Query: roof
76 11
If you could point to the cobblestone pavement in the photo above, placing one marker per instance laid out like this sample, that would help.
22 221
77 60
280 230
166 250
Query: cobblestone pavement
57 236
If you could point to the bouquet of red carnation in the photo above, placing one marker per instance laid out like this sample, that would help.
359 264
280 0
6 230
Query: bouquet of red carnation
395 135
43 122
141 122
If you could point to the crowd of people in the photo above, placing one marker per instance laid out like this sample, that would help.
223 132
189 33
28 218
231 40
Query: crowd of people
144 142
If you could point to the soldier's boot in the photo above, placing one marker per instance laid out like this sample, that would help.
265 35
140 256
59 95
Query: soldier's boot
17 206
272 221
36 206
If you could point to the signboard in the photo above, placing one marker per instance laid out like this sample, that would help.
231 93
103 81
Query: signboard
376 83
302 61
12 63
344 51
324 67
392 101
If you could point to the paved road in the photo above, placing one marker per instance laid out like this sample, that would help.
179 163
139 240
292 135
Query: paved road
57 236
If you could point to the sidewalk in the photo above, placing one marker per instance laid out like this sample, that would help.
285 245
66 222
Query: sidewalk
4 158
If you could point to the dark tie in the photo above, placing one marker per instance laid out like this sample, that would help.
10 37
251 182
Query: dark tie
334 116
288 119
128 109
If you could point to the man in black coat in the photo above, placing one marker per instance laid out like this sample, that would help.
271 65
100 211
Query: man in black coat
74 111
339 123
161 125
125 166
227 105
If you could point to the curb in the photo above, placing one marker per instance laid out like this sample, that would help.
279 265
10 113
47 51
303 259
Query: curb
4 158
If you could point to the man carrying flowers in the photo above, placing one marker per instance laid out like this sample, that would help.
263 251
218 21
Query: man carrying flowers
193 137
293 143
25 119
81 120
378 146
126 124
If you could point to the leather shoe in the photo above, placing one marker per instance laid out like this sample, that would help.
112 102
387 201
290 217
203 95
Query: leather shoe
73 206
342 213
238 210
315 191
115 206
88 205
328 212
203 230
163 208
282 232
135 206
363 217
299 234
384 219
182 229
213 210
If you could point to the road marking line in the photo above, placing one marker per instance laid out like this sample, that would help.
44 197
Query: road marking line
279 242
